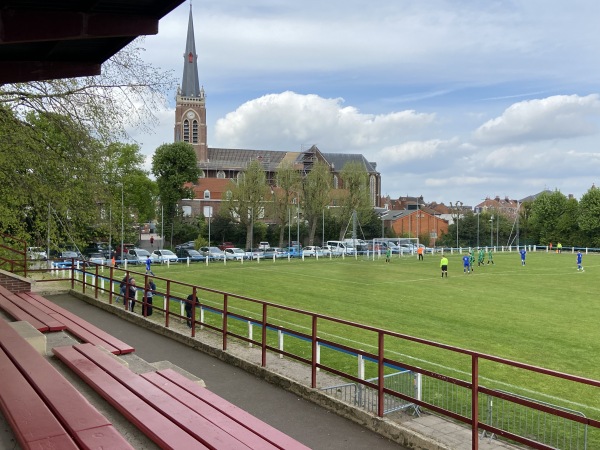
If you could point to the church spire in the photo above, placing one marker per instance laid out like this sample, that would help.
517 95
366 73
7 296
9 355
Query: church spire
190 85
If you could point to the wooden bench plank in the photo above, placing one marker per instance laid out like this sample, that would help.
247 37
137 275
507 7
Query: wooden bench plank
152 423
85 329
31 420
176 411
273 435
78 331
23 301
212 414
18 314
74 412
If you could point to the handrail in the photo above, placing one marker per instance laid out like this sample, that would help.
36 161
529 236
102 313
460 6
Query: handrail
265 315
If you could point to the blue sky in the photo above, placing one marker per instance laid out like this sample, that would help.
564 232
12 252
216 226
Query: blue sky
454 100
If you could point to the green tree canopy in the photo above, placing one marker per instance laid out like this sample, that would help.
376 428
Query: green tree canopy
248 197
173 165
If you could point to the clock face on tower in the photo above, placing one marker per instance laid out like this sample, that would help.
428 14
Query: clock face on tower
190 115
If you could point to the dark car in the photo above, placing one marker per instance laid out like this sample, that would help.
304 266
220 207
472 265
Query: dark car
186 245
193 255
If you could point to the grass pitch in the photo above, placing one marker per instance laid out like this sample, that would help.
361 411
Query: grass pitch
544 313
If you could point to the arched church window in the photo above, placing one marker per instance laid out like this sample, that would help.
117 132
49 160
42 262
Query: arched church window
372 187
186 130
194 132
220 174
206 194
335 182
202 174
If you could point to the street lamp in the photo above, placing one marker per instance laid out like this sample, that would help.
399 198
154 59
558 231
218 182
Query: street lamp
492 232
122 222
478 212
458 206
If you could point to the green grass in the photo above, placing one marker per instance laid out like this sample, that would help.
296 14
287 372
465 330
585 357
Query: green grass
544 314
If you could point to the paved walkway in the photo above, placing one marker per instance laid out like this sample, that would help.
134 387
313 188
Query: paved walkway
299 418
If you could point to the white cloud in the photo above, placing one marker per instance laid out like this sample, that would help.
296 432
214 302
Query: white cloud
290 119
556 117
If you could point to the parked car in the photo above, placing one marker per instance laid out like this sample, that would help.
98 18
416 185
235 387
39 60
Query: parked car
275 252
264 245
186 245
235 254
225 245
164 256
295 251
213 253
96 258
256 253
313 251
37 253
135 255
193 255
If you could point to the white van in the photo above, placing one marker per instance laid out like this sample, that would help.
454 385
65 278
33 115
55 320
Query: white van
339 247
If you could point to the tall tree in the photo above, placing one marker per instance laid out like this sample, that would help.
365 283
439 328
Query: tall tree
173 165
589 216
126 95
316 188
247 200
48 163
356 188
288 185
546 213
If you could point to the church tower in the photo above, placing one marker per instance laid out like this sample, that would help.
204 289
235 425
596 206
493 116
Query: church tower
190 109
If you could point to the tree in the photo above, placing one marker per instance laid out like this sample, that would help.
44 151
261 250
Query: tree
316 187
173 165
247 200
48 169
288 183
127 94
588 213
546 213
355 181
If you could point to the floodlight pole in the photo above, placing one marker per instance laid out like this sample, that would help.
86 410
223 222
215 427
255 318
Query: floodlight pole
492 232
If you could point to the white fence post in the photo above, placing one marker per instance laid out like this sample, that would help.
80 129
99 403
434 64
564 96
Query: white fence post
361 367
280 339
250 333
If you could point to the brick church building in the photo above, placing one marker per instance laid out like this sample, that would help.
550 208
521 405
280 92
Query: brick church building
221 166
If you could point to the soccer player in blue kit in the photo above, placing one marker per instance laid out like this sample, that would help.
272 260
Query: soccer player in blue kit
579 261
467 264
523 253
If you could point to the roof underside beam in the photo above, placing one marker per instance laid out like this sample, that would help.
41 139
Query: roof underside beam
17 26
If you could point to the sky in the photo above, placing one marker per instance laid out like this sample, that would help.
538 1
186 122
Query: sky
454 100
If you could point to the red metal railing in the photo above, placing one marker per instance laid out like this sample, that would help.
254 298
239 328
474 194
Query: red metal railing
266 315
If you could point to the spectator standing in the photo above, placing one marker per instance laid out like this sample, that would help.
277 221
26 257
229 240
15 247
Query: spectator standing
131 294
188 308
559 248
523 253
148 296
123 288
152 241
444 266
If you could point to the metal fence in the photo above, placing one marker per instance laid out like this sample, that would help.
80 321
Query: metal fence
358 395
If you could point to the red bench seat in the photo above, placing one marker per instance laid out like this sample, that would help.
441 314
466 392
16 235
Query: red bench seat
38 388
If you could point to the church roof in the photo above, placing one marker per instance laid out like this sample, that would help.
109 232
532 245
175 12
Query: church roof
238 159
190 83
